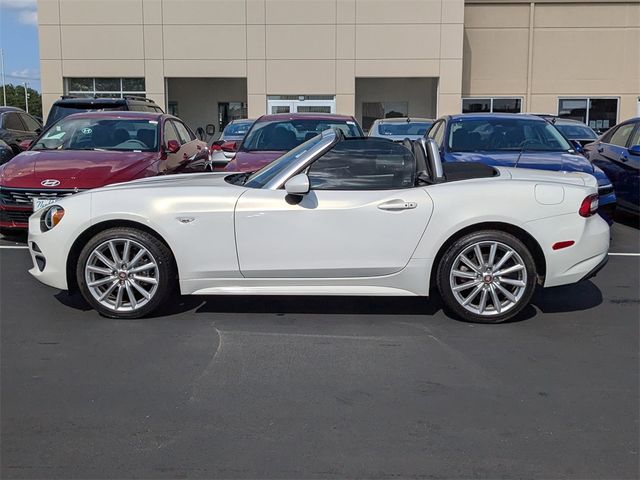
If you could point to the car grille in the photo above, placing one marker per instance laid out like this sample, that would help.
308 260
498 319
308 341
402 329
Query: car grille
17 216
19 197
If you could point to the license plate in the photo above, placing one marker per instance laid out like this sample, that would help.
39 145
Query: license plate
41 202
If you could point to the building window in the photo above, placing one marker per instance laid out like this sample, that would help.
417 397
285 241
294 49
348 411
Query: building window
492 105
599 113
372 111
104 87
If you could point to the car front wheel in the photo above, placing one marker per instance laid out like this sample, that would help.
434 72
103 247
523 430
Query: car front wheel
487 277
125 273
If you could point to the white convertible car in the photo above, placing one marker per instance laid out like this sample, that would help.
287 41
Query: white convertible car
334 216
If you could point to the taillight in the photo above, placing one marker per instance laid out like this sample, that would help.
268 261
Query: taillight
215 147
589 206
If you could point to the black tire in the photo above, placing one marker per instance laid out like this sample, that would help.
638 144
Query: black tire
166 271
492 315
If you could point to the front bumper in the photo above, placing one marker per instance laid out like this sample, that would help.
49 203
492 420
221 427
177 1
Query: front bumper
15 218
48 254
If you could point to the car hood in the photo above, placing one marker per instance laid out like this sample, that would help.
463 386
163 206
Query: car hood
73 169
252 161
539 160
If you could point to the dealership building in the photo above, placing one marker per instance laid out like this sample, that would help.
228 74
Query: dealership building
210 61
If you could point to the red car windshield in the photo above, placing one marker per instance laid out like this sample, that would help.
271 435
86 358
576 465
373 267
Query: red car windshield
288 134
126 135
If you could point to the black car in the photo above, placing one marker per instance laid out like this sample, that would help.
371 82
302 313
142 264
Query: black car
69 104
16 126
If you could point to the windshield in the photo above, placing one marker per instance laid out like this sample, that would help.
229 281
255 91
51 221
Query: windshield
238 129
396 129
287 134
260 178
576 132
505 134
57 111
126 135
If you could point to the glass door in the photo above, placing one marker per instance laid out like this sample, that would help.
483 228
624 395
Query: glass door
301 104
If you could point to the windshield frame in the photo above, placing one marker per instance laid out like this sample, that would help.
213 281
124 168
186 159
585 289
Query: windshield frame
275 174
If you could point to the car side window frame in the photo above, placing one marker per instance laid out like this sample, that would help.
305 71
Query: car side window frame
6 115
412 184
24 117
628 137
438 127
177 124
168 123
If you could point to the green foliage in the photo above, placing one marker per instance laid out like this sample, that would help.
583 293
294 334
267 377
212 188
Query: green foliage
15 98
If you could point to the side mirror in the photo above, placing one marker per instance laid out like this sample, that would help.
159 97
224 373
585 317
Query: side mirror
229 146
634 150
25 144
577 146
173 146
211 129
297 185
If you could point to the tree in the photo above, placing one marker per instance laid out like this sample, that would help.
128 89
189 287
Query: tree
15 98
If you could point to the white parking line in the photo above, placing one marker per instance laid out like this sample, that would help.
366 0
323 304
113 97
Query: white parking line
14 247
625 254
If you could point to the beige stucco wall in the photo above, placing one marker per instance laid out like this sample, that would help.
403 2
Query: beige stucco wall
280 46
544 50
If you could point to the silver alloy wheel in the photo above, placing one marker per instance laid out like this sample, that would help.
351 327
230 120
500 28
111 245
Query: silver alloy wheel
488 278
121 275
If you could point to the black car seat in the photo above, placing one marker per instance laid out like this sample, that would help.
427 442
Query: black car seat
310 135
282 139
120 135
100 136
147 136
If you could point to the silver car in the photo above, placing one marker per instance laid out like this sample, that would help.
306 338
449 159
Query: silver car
223 150
397 129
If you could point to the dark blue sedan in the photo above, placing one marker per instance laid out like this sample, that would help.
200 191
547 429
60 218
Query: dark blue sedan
511 140
617 152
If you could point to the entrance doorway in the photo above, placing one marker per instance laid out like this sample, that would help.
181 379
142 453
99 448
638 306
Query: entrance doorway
301 104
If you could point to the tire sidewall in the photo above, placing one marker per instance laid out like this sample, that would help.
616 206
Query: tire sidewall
446 264
161 254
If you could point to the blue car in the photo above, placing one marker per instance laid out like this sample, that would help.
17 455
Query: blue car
617 152
514 140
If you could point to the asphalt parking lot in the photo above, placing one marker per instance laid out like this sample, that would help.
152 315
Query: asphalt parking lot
311 387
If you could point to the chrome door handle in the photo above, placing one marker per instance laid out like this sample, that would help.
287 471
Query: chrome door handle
396 205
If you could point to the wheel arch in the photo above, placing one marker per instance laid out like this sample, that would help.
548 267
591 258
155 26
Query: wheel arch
81 240
525 237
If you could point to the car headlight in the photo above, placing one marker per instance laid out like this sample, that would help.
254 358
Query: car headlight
51 217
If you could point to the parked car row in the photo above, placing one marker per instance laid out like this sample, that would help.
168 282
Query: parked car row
92 142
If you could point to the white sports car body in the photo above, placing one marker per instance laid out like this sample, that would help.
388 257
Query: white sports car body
334 216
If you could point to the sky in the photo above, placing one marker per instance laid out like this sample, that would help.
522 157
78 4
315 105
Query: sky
19 42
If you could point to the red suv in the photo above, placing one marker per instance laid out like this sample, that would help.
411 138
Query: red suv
90 150
272 135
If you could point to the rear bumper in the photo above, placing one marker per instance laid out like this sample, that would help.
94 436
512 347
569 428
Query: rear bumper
572 264
594 271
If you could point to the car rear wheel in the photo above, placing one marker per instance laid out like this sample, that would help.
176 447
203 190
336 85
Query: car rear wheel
126 273
487 277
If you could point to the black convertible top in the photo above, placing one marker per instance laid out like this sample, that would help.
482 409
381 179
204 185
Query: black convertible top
454 171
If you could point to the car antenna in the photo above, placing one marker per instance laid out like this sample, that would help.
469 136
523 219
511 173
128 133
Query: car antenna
515 165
